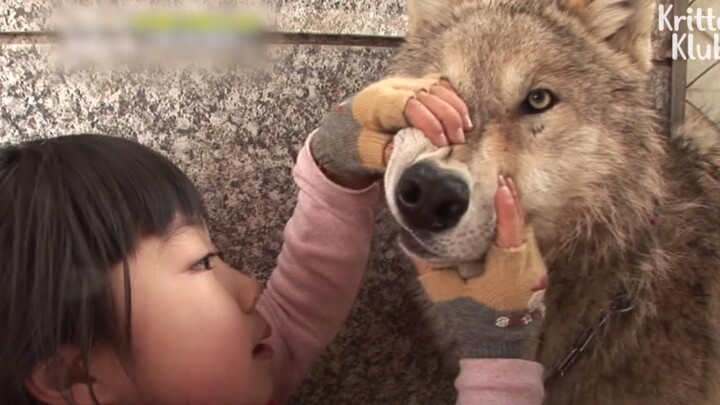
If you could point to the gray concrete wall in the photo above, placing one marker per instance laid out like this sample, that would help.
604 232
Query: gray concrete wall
237 135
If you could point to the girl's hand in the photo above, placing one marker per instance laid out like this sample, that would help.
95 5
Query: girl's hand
496 313
354 142
510 216
440 114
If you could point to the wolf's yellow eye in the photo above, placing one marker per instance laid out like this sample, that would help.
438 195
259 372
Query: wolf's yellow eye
539 101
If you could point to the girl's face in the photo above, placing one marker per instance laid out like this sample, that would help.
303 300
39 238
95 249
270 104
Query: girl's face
195 331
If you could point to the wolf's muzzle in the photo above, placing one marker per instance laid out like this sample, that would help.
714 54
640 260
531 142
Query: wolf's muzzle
430 198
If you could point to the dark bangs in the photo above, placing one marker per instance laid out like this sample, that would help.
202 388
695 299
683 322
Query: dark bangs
71 208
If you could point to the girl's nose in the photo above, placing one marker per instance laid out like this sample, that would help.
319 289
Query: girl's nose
249 293
245 289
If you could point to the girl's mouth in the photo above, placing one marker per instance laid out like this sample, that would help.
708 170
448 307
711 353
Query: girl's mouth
263 351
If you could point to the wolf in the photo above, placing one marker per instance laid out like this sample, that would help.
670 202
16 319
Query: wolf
627 218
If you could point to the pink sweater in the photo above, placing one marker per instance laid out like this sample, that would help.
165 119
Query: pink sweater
318 276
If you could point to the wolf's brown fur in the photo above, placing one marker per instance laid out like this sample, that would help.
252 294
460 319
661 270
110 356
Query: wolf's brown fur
594 173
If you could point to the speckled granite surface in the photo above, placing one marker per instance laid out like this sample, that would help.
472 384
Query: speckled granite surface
359 17
366 17
19 15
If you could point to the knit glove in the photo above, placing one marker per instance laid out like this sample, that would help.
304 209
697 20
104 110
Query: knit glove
496 314
352 139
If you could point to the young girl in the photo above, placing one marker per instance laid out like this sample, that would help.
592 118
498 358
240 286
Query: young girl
112 292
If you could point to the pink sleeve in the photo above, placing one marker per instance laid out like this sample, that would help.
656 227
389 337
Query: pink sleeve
499 382
319 271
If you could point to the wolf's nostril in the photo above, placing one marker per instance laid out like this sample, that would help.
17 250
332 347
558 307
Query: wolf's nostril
450 210
410 193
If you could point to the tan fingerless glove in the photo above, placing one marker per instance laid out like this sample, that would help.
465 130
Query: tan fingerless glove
496 314
352 139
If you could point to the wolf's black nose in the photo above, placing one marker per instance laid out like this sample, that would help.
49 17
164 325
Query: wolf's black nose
430 198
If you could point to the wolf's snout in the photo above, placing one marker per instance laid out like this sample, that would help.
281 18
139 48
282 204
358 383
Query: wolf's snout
430 198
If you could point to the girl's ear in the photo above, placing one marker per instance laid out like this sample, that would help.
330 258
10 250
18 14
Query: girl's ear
65 376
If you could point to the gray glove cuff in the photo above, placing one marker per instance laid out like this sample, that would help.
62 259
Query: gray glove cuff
335 143
480 332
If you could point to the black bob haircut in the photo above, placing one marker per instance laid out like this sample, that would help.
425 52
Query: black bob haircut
72 208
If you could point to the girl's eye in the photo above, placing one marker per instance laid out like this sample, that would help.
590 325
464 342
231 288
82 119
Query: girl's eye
203 264
539 101
206 263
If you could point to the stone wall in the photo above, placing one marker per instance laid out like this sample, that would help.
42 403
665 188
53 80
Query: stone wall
236 134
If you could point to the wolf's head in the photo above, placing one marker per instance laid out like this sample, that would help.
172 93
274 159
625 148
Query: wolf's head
559 94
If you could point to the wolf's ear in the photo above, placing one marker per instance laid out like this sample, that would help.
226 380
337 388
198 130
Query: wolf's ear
625 24
423 12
